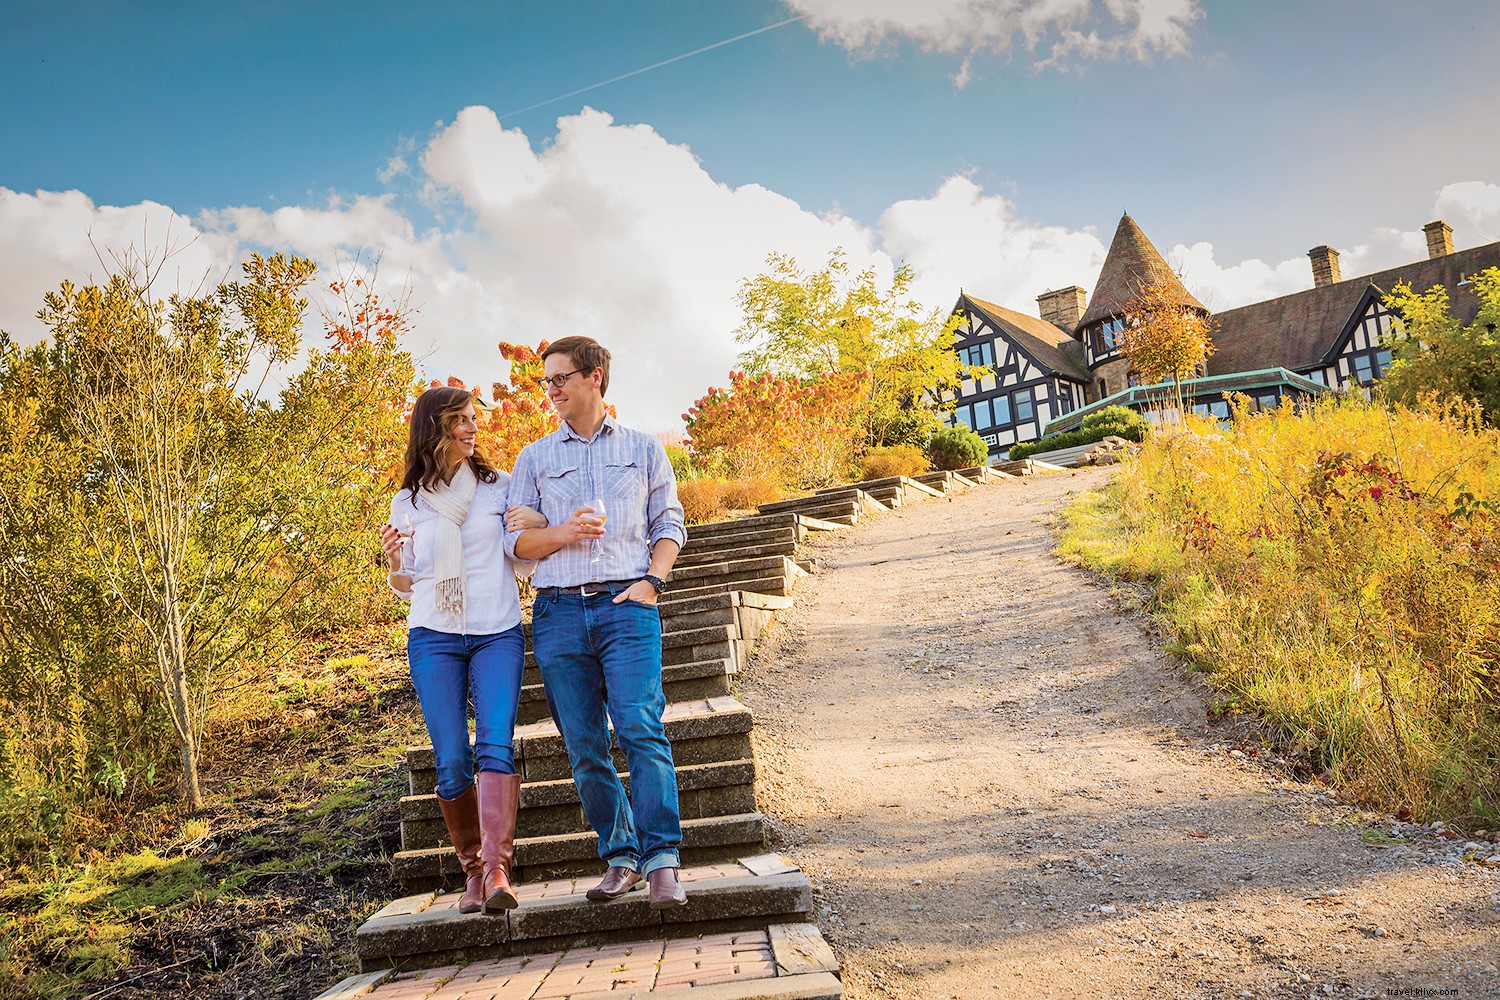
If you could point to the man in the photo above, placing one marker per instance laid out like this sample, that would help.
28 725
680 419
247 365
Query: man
595 627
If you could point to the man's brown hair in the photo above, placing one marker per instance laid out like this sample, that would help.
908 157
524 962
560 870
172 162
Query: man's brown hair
586 353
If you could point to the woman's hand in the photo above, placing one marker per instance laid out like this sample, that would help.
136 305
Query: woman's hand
390 540
521 518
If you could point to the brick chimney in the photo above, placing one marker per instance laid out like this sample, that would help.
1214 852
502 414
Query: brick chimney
1063 307
1325 264
1439 238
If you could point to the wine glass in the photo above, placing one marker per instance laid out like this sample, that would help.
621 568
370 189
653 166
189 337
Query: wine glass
404 532
595 548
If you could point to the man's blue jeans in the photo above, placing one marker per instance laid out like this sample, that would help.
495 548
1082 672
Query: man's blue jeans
598 656
447 670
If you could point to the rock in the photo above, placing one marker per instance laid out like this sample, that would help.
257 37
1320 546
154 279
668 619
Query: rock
1381 932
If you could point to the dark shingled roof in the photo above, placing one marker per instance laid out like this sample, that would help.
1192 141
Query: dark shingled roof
1051 347
1297 331
1131 265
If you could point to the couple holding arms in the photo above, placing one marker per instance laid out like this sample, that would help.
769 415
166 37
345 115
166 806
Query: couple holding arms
595 630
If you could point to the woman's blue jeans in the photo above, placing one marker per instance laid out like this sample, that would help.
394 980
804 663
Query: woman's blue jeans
448 670
596 657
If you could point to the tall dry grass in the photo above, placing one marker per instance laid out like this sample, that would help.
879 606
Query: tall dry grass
1337 571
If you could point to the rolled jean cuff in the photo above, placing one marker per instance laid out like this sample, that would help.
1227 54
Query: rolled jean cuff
624 861
666 859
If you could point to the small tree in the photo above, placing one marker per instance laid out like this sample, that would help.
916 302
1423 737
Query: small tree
1434 353
224 524
1164 339
808 325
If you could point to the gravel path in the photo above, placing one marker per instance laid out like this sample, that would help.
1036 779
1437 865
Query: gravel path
1001 788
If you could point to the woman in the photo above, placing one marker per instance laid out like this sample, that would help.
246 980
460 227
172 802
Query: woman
465 636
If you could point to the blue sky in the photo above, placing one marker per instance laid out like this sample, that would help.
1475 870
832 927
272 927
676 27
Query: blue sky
1241 134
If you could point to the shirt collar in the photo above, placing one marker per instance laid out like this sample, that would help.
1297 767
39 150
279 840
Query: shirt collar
569 432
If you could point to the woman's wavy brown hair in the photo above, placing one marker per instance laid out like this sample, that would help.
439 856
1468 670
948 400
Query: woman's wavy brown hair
432 421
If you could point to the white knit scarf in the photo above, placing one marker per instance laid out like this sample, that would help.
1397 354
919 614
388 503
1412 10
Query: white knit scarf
451 500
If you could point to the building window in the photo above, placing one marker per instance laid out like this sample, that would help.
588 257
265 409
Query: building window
982 415
1316 376
1267 401
1106 336
1382 363
1002 411
1025 406
1364 368
979 354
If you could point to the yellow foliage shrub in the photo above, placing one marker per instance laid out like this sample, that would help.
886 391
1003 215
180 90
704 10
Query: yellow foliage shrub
750 492
702 500
895 460
1336 570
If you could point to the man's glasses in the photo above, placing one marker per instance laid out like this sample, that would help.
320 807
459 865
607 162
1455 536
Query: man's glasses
556 381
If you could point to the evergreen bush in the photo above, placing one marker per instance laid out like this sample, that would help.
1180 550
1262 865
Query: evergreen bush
952 448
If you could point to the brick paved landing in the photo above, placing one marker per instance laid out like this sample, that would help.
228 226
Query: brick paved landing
788 961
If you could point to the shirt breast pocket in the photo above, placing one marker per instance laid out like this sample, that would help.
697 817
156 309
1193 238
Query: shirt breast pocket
562 492
625 481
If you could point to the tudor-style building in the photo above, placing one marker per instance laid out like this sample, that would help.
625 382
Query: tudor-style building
1052 371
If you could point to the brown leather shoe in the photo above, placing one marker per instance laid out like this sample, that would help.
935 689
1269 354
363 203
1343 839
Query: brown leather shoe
461 816
616 883
666 891
499 797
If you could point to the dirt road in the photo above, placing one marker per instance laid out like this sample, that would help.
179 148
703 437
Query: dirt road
1001 789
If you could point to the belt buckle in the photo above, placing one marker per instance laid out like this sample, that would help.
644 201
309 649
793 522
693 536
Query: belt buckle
584 591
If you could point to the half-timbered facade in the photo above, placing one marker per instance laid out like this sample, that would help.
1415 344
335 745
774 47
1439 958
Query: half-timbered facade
1335 335
1035 374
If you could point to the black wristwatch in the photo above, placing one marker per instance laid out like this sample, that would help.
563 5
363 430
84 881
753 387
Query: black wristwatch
656 582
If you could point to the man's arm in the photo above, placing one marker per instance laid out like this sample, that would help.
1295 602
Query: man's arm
666 533
538 543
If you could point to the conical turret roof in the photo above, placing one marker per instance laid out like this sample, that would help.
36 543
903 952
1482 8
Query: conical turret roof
1131 265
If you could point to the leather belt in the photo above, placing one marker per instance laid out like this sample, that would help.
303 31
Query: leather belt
610 587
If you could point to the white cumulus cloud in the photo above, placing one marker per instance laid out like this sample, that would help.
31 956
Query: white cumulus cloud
1056 31
961 236
1472 208
613 231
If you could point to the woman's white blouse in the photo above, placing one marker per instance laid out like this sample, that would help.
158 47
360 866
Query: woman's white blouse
492 603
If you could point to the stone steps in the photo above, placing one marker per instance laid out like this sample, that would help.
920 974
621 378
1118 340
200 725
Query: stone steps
749 535
426 929
775 575
984 474
782 546
721 788
701 732
743 933
802 524
842 510
707 839
945 482
691 681
891 490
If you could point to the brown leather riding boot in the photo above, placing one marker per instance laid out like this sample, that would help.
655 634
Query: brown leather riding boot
462 817
499 795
